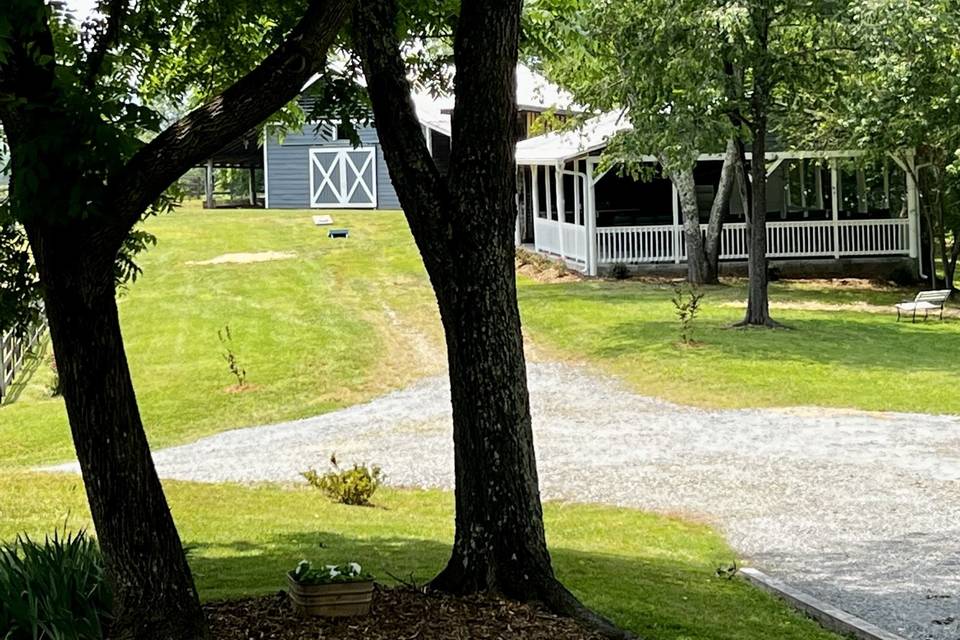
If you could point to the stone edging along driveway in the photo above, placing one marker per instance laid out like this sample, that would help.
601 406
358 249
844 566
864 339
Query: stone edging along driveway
861 510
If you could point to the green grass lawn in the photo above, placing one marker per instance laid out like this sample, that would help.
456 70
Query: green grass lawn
324 330
650 573
844 347
344 321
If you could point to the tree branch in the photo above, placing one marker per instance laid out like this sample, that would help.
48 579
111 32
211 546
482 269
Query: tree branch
241 107
422 190
108 37
22 74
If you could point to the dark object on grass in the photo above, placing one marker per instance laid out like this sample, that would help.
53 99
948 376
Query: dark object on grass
620 271
902 276
338 233
396 613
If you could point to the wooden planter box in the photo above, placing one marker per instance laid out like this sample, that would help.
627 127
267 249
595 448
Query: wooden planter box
331 600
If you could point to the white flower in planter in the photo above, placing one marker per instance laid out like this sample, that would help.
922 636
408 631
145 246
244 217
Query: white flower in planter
302 567
354 568
334 570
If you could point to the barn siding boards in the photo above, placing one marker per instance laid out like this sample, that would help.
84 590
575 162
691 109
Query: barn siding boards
288 162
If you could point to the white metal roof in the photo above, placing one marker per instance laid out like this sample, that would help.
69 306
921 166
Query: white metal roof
536 93
430 111
552 148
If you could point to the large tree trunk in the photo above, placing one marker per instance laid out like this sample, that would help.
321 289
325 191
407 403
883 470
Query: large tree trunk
721 202
154 596
463 226
75 236
697 269
761 16
758 304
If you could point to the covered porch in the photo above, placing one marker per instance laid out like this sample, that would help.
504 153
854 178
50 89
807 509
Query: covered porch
829 204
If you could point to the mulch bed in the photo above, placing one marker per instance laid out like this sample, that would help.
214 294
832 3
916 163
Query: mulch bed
396 614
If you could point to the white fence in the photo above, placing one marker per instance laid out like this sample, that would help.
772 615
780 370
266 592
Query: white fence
13 349
547 237
637 244
663 243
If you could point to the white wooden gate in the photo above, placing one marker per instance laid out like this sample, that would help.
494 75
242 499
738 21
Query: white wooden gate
343 178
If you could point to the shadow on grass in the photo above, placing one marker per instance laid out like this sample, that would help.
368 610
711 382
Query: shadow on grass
620 319
31 364
831 341
651 596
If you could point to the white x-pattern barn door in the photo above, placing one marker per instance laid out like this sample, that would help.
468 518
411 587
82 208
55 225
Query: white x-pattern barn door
343 178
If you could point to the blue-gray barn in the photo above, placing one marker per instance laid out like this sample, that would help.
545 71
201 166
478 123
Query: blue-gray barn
317 167
320 169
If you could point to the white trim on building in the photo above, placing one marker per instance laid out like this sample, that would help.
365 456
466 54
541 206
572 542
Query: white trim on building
590 246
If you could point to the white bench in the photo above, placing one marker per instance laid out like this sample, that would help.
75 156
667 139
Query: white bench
925 301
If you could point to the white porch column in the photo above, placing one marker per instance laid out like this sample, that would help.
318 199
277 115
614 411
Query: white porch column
558 189
835 203
913 209
676 223
591 221
578 217
208 185
535 196
516 206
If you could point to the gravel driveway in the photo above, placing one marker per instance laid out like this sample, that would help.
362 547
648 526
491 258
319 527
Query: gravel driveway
859 509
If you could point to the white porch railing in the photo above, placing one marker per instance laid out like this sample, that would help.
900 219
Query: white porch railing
662 243
547 237
874 237
653 243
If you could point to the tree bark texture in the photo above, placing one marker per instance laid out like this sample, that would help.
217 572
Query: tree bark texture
703 249
154 596
758 305
75 252
464 228
721 202
692 237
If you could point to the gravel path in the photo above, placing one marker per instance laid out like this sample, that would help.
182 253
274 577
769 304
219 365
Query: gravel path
859 509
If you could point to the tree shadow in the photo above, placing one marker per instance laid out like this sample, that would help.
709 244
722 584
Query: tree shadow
652 596
866 344
31 365
615 320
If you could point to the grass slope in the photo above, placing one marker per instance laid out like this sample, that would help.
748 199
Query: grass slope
317 332
347 320
650 573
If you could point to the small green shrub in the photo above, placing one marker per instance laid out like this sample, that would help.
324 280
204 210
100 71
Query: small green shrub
304 573
620 271
902 276
354 486
233 362
686 301
55 589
